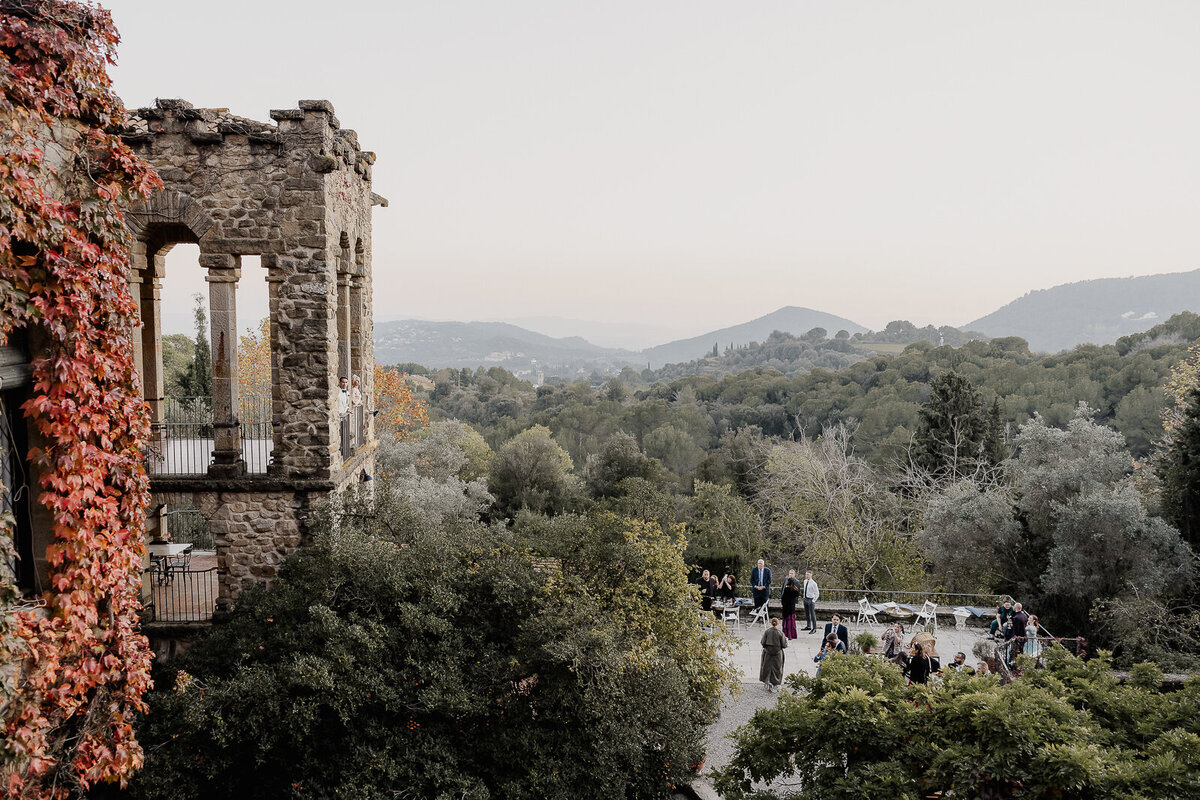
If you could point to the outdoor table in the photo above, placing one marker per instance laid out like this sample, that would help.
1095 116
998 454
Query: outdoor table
162 554
896 609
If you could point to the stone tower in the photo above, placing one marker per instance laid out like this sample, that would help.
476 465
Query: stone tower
296 194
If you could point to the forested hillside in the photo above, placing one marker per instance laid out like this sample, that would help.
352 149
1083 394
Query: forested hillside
976 468
879 395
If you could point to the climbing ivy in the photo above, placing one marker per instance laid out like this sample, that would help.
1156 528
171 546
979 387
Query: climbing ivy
81 667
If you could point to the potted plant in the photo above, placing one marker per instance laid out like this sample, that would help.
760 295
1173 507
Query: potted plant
866 642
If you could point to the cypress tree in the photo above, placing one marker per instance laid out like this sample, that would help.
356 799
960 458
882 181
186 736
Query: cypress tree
951 430
1179 469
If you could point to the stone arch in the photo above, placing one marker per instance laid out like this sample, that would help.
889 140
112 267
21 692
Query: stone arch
168 208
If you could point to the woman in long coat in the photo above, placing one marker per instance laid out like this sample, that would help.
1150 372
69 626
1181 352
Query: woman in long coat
773 644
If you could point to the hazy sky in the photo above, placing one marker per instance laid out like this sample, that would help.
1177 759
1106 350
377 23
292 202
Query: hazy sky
695 164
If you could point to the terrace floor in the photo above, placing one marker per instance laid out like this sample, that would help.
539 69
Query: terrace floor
736 711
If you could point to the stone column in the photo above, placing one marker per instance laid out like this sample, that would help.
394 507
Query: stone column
151 352
356 330
343 319
223 274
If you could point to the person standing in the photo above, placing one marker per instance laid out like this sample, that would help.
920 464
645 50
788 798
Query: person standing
356 395
1019 620
770 670
892 640
787 602
760 584
1032 646
920 665
708 590
836 628
343 397
811 593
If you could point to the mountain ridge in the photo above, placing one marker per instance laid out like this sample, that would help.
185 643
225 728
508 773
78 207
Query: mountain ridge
1095 311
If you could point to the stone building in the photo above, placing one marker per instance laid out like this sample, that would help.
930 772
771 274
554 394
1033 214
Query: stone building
297 195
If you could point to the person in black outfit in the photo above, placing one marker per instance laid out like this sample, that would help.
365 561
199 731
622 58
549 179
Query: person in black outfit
839 630
708 590
787 603
919 665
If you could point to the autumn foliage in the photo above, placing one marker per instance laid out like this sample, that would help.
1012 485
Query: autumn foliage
254 361
400 411
80 666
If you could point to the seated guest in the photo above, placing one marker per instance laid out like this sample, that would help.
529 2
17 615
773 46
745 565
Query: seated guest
829 648
839 630
1003 614
982 668
959 662
837 643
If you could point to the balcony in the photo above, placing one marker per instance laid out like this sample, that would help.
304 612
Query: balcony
183 442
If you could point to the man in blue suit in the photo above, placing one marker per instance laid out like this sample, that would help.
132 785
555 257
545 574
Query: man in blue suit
760 583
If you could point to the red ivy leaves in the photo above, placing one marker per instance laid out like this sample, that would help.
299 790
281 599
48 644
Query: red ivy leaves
63 271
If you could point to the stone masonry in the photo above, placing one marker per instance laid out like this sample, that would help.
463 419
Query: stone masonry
296 193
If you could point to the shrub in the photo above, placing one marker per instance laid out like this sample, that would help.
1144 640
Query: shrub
1067 731
395 656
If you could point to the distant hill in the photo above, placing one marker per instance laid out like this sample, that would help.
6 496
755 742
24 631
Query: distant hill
487 344
789 319
1097 311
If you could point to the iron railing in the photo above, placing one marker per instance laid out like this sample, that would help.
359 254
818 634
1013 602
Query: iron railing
180 595
353 431
1035 646
183 441
946 601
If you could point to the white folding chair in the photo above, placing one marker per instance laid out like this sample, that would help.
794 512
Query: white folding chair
928 613
732 617
866 613
760 614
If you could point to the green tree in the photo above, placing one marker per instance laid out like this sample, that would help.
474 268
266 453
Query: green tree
621 458
724 520
443 662
1068 731
830 511
197 378
178 353
532 472
995 440
970 536
1087 535
950 434
675 448
1178 467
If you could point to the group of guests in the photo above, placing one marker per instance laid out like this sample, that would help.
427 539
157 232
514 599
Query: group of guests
918 660
711 588
1014 622
796 593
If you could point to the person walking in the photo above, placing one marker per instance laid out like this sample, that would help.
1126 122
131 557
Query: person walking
811 592
787 602
770 670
